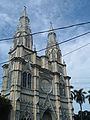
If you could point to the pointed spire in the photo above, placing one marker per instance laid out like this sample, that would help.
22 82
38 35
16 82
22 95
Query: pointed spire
51 35
51 30
53 50
23 29
24 12
51 26
24 20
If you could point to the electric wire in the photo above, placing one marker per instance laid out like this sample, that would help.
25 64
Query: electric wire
76 49
62 43
56 44
70 53
46 31
67 40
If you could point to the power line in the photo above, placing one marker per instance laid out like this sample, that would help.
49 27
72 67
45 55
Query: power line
78 36
76 49
67 40
46 31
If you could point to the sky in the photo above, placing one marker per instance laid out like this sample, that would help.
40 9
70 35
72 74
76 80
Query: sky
60 13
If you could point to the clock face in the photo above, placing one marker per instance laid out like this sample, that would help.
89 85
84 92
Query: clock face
46 86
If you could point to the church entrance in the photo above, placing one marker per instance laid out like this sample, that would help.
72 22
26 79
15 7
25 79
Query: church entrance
47 115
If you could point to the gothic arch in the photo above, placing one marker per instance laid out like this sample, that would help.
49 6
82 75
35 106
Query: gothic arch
54 54
47 115
26 114
26 79
26 118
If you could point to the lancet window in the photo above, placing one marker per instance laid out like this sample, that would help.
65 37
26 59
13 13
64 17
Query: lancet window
26 80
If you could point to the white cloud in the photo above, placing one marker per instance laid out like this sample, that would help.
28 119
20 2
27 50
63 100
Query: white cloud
78 64
4 49
4 17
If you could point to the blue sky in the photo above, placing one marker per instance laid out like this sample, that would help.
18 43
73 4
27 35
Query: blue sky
60 13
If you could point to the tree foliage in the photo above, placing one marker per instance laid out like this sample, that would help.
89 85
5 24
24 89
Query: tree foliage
85 115
79 97
88 96
5 108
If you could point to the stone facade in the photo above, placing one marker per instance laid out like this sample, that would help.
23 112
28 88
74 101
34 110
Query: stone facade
38 86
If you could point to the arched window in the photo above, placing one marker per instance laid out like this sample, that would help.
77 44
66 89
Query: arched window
62 89
24 79
29 80
47 115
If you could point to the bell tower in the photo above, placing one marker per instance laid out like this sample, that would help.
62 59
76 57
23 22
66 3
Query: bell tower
53 51
23 35
17 73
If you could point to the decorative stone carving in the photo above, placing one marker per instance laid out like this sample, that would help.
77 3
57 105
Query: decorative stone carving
46 86
26 112
17 114
64 114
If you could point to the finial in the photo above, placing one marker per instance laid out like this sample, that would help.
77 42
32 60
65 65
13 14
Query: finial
34 48
25 7
24 12
51 26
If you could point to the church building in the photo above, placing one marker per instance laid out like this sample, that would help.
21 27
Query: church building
38 86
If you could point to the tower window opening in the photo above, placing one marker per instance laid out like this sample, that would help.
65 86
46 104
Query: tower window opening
29 80
26 80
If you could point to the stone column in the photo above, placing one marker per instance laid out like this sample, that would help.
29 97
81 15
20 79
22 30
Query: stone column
56 89
16 86
5 79
35 88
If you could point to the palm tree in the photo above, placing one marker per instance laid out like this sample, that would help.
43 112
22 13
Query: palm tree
79 97
72 93
88 96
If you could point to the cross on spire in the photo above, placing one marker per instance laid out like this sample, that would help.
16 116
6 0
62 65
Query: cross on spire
51 26
24 12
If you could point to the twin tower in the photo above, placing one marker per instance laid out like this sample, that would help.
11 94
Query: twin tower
38 86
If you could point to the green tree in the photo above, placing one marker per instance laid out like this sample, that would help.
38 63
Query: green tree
79 97
72 92
88 96
72 95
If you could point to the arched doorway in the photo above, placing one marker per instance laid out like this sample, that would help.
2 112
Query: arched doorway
47 115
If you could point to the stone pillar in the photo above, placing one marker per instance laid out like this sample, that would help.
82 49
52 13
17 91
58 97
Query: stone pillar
5 79
68 94
57 96
56 89
70 113
35 88
16 86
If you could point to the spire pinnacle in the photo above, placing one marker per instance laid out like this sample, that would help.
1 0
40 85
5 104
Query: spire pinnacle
24 12
51 26
24 20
